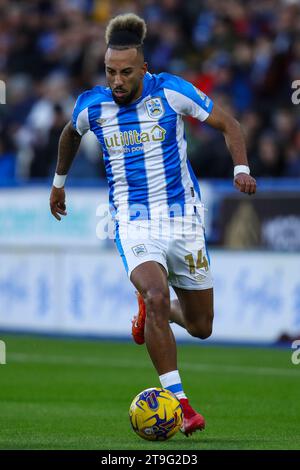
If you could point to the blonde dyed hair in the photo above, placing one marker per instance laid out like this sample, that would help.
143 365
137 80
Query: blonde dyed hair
127 22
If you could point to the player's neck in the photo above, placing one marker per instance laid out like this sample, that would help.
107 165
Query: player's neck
138 93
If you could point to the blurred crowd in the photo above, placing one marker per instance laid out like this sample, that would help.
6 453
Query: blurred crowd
244 54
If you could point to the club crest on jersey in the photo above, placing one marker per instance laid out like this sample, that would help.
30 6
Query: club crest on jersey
155 108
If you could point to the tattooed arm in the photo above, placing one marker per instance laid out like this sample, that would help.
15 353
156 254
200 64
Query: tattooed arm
67 148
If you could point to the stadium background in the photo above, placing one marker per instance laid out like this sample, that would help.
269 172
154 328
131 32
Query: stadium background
67 279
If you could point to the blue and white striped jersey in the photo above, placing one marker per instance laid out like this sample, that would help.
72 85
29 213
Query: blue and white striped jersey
144 145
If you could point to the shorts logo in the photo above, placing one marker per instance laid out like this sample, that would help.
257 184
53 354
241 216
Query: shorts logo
155 108
139 250
199 277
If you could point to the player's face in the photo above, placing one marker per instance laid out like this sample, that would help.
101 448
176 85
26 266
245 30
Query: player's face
125 71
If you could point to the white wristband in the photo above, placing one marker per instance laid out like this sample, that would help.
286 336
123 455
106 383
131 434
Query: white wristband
241 169
59 181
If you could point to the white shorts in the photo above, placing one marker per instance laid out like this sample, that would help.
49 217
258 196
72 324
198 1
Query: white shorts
178 244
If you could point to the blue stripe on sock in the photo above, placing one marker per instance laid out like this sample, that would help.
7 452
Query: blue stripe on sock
175 388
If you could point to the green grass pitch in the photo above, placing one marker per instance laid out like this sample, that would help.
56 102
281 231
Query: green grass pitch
74 394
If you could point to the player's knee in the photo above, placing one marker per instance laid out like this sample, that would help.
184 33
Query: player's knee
206 332
203 329
157 302
202 333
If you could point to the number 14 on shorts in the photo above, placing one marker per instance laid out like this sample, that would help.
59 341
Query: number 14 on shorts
200 263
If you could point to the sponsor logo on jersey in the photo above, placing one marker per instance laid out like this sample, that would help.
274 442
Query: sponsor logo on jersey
139 250
127 138
155 108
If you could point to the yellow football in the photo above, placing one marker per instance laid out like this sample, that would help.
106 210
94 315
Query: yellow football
155 414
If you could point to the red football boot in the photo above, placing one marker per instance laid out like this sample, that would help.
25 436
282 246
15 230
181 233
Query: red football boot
192 421
138 321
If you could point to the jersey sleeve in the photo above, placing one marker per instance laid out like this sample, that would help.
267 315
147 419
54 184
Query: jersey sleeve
80 116
186 99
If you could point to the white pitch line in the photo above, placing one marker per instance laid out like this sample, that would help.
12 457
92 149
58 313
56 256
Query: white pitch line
109 362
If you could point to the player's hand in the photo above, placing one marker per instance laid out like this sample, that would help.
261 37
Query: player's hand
245 183
57 202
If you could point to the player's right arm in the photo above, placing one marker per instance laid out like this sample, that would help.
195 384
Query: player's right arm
67 148
188 100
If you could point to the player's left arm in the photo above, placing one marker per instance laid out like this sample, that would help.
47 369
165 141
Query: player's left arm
224 122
